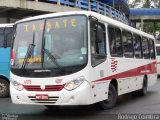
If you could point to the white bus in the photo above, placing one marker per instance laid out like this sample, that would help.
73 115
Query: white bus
79 58
158 58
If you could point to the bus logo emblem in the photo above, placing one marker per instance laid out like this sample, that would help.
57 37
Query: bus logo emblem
58 81
42 87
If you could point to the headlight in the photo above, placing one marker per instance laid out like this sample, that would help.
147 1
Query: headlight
74 83
17 86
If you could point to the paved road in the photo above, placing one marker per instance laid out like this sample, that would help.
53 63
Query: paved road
127 104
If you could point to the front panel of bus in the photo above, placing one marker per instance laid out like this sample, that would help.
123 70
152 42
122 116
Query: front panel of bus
48 61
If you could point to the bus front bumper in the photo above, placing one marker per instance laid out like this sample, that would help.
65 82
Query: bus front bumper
82 95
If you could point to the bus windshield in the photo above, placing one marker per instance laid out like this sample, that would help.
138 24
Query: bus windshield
51 44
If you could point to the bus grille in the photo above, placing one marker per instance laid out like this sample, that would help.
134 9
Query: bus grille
50 100
47 88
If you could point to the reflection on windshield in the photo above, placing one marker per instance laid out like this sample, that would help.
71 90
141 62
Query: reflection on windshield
65 38
67 42
26 35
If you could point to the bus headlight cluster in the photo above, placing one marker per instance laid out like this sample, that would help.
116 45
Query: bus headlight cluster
74 83
17 86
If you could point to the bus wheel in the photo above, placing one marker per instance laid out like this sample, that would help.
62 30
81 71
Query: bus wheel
112 98
4 88
143 91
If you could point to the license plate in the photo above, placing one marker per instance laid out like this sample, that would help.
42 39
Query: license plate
42 97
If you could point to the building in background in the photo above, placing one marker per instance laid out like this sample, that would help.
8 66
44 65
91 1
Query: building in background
13 10
146 19
142 18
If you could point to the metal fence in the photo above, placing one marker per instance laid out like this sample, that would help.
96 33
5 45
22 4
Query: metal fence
92 5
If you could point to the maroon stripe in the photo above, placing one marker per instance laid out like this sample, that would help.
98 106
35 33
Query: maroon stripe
133 72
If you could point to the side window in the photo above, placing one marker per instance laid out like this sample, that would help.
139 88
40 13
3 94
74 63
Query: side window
137 46
98 42
145 48
115 42
127 44
9 36
158 50
152 49
6 36
1 38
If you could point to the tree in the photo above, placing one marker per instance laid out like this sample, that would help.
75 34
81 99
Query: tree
135 4
157 4
146 4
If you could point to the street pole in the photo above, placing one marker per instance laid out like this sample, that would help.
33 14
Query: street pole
142 24
113 3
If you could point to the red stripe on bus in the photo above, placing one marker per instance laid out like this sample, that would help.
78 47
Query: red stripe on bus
158 62
142 70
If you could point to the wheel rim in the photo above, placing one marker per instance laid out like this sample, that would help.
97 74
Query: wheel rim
2 88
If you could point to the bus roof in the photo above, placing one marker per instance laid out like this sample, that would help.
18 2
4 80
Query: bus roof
7 25
97 15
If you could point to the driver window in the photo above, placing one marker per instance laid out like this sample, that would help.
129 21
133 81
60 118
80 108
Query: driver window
98 43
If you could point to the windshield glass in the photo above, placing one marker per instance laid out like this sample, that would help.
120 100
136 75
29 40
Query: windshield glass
53 43
65 39
26 34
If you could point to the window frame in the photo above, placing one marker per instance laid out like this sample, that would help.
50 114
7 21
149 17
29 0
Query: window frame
153 47
140 41
97 55
145 39
109 39
131 35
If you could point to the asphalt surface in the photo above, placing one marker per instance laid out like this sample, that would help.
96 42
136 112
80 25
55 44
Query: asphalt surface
133 107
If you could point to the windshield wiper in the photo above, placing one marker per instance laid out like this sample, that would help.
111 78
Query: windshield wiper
29 53
51 56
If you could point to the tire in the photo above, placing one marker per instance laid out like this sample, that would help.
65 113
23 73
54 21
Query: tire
112 99
4 88
143 91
